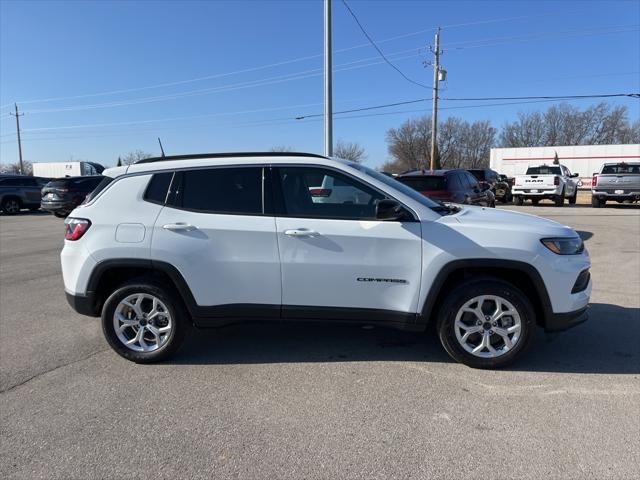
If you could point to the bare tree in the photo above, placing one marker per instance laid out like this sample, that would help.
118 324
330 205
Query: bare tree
410 145
460 144
134 156
350 151
281 148
564 124
15 168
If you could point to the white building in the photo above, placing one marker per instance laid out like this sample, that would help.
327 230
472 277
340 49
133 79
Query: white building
582 159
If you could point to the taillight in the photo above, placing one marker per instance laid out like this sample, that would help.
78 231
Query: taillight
513 181
76 228
556 180
594 181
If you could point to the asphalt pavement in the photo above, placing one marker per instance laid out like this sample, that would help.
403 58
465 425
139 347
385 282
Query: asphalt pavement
312 401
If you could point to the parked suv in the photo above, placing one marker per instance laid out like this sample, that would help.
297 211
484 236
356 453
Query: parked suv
209 240
457 186
18 192
62 195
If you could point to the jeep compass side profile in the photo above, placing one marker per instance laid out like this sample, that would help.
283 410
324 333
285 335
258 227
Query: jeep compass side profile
212 239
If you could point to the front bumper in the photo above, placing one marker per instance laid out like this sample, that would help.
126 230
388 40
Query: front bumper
558 322
83 304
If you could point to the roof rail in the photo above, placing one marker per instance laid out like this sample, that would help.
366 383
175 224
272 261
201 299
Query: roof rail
197 156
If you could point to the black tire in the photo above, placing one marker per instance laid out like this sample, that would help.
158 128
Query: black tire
597 203
559 199
34 208
518 200
574 198
175 307
11 206
535 201
60 215
485 286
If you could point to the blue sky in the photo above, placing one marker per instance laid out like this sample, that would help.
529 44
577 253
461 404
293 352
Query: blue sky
215 95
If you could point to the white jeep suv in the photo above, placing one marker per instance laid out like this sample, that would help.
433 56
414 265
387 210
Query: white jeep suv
208 240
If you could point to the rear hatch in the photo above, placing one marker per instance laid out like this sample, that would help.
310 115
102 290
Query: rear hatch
430 186
55 190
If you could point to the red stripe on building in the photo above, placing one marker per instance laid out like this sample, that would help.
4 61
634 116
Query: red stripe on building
574 158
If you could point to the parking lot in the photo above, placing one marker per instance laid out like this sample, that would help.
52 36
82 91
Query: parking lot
291 401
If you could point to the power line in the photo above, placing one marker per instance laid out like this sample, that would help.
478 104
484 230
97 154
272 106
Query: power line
378 48
285 62
387 105
226 88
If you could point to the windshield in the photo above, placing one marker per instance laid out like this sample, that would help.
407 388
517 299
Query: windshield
395 184
544 170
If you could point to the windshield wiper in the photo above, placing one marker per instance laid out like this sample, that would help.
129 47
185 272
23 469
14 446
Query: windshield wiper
445 208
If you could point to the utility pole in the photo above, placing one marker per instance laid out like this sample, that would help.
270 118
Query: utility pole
18 115
328 76
434 115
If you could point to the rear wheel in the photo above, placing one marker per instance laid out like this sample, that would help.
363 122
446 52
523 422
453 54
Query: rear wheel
486 323
144 322
60 215
11 206
518 200
535 201
559 199
597 203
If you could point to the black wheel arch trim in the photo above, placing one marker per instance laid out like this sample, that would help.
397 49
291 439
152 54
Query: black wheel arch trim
429 307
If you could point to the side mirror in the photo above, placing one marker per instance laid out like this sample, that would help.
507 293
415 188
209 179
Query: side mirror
388 209
575 175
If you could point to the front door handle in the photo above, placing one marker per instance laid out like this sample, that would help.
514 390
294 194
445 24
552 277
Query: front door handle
301 232
179 227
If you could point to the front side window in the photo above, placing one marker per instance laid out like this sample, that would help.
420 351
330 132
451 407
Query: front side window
235 190
320 193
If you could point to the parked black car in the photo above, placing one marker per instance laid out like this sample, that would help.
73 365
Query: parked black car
62 195
456 186
20 191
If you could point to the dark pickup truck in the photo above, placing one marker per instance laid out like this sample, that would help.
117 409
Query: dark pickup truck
616 181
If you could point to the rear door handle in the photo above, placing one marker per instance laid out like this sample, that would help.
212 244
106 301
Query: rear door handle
300 232
179 227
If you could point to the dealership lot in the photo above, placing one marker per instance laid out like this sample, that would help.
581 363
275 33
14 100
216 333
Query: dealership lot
316 401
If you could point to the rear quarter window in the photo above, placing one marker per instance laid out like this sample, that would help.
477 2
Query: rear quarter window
101 186
158 187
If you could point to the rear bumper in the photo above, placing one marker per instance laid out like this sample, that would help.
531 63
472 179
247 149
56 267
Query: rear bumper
558 322
83 304
65 207
628 196
529 193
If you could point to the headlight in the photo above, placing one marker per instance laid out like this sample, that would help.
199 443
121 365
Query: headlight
564 246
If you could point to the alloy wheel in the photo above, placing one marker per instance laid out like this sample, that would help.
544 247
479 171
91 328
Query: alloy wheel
142 322
488 326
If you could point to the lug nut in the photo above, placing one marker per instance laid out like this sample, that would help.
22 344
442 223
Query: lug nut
479 323
490 332
495 324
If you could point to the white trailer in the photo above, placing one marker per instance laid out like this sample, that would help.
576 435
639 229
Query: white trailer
66 169
584 160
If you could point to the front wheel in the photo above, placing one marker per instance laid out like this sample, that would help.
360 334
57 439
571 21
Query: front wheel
574 198
486 323
144 322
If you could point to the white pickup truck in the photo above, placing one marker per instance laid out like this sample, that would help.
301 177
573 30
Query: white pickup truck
553 182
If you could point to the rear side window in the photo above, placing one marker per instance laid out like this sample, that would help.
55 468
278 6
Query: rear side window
425 184
479 174
222 190
158 187
621 168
